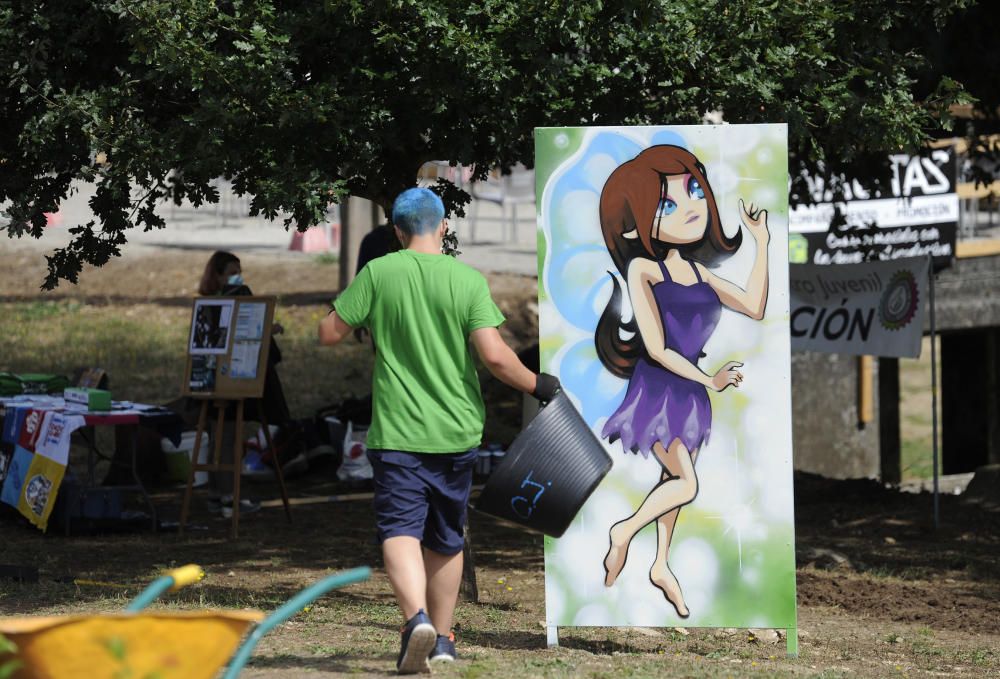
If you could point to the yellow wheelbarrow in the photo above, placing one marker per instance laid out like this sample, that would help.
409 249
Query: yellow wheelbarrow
138 644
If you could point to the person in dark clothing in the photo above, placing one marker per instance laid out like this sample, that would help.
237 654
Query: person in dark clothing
379 241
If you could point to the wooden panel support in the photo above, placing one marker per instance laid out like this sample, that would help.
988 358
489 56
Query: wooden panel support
866 390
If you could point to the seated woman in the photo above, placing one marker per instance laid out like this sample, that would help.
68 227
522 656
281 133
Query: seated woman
223 276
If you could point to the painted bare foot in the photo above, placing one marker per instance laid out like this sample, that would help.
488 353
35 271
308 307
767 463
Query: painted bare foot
614 562
663 578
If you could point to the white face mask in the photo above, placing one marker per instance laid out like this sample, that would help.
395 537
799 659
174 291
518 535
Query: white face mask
235 279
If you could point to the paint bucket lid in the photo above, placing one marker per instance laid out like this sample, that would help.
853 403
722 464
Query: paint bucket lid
549 471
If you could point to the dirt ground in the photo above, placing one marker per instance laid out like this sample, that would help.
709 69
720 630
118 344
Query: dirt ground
880 592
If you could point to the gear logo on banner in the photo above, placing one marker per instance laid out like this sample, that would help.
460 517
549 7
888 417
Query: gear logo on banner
899 302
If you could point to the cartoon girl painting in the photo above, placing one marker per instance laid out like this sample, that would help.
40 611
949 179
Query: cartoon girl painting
662 228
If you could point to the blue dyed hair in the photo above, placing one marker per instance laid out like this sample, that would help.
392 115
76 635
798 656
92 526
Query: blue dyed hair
417 211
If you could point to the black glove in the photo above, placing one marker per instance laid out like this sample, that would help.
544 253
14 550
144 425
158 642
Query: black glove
546 387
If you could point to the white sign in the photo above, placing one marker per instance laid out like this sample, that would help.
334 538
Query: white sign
886 212
250 321
243 361
680 368
872 309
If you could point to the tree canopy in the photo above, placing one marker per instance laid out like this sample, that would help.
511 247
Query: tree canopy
300 102
965 49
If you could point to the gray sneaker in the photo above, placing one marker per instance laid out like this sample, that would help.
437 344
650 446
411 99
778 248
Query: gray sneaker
444 649
247 506
416 641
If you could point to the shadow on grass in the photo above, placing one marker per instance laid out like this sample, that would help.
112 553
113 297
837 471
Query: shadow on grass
513 640
886 533
270 562
596 646
346 664
307 298
28 598
507 640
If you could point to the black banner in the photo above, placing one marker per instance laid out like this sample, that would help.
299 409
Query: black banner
916 218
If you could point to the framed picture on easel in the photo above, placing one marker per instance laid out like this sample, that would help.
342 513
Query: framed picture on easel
210 326
228 347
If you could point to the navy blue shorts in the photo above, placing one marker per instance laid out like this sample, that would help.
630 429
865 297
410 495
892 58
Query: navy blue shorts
423 495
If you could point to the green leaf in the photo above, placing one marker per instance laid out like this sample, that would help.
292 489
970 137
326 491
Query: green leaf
299 104
116 648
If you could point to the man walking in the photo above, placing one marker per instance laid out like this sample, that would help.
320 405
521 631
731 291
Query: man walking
423 308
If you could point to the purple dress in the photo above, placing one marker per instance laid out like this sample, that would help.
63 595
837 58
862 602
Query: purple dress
661 405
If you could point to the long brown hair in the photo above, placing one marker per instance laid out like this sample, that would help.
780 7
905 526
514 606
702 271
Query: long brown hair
216 264
631 200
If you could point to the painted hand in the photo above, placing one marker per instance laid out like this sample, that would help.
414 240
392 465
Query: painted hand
755 219
728 376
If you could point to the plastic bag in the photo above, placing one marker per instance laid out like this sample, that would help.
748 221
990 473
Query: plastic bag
355 465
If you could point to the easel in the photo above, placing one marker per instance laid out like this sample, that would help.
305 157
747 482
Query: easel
241 331
221 405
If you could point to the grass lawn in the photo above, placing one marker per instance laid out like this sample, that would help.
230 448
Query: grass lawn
916 424
907 602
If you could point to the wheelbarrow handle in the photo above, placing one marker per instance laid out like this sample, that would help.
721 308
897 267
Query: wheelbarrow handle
290 608
171 580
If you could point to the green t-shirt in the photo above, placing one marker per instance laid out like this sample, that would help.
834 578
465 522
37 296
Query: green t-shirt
420 309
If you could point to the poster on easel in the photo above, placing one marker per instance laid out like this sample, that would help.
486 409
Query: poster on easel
210 327
663 310
228 347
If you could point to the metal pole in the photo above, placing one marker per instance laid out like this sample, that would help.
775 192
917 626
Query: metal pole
934 391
